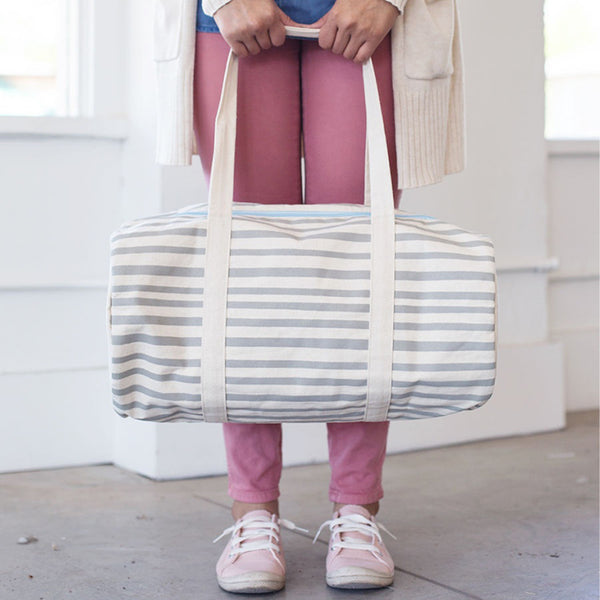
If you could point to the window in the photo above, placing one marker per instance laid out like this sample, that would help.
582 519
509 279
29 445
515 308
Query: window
35 62
572 68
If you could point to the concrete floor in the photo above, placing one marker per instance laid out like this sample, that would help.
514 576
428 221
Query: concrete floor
511 519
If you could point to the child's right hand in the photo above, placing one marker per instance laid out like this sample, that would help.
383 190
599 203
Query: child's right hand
251 26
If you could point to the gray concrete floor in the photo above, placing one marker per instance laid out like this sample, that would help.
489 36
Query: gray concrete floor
510 519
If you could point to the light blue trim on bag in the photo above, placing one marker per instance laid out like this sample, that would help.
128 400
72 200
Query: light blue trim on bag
277 213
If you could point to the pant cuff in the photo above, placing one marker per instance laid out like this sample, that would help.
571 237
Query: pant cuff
357 498
254 496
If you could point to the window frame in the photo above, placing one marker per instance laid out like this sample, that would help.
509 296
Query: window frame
93 74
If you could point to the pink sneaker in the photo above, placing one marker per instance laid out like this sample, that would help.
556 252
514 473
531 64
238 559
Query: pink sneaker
357 557
252 561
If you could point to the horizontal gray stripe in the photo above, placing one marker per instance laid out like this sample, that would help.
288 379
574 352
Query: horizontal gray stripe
276 342
312 306
457 397
163 249
435 275
256 342
305 398
344 236
433 295
156 320
316 411
444 326
418 414
188 231
407 237
156 340
362 237
304 221
349 274
429 295
425 346
156 302
312 323
299 292
450 407
300 419
156 376
443 309
416 367
167 362
170 415
294 364
171 397
298 252
158 270
451 383
158 289
269 380
442 255
286 272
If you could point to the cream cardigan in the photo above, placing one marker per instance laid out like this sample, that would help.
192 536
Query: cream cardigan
428 87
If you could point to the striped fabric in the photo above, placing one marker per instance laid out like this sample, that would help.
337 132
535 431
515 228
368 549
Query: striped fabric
297 326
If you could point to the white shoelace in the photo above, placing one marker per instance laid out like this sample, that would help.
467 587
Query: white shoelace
355 523
255 527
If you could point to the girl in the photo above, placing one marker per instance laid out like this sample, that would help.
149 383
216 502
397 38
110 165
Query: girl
293 89
301 97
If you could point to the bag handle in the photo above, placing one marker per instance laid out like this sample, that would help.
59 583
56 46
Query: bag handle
378 186
378 182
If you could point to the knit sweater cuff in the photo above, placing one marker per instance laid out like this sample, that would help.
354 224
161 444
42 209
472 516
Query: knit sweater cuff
175 139
421 111
210 7
399 4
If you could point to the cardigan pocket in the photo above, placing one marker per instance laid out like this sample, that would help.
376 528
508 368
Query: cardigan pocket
428 36
168 17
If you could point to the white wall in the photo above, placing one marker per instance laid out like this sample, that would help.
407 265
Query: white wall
573 229
64 195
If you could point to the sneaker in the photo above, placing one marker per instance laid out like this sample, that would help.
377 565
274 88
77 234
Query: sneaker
357 557
252 561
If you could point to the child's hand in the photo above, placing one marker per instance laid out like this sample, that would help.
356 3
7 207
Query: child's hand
355 28
251 26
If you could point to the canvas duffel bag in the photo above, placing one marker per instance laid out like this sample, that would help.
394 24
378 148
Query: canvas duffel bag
249 312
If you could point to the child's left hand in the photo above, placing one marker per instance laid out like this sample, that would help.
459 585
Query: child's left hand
355 28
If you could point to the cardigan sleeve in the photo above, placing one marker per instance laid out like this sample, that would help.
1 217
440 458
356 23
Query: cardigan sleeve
399 4
210 7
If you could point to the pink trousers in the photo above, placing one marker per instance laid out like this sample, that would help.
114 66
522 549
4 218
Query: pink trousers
293 100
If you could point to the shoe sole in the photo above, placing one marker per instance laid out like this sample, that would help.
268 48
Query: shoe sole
355 578
259 582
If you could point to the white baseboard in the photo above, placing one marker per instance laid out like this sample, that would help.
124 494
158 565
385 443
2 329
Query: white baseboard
55 419
62 419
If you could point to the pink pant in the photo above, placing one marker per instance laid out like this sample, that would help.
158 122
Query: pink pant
291 99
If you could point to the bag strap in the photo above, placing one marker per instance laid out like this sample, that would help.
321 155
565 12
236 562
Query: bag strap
218 245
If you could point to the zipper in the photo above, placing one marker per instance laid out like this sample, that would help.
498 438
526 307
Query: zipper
276 213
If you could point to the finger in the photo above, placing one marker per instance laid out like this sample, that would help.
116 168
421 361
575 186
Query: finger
277 34
263 39
239 48
252 44
352 48
327 35
365 52
341 41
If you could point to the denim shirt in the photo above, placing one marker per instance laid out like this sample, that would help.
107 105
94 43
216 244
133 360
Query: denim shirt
301 11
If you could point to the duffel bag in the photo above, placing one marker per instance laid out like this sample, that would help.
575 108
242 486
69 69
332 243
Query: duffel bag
247 312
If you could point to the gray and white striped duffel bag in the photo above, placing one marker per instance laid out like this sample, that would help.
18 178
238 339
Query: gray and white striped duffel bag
249 312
